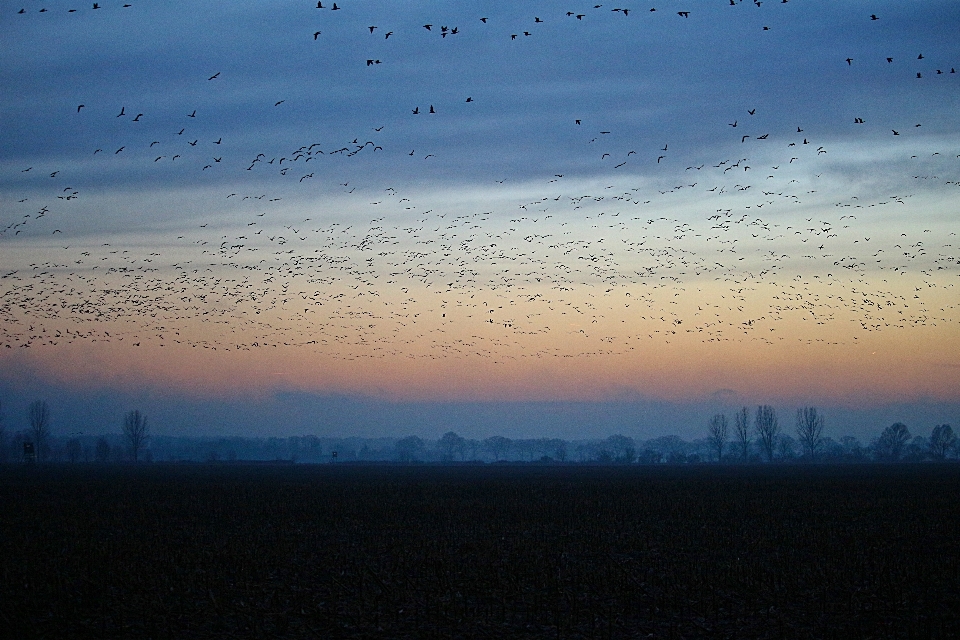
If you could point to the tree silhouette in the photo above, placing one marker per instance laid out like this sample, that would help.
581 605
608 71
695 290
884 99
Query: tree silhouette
452 445
497 446
767 428
556 448
136 430
39 416
810 430
941 441
889 446
742 426
622 448
102 452
786 447
407 449
718 434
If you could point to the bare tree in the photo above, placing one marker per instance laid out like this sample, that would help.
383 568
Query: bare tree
39 415
810 430
742 425
767 428
136 430
889 446
718 434
941 441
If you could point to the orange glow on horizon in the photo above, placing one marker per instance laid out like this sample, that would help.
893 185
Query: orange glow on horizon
872 370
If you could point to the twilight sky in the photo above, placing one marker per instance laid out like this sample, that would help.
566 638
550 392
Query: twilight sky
480 204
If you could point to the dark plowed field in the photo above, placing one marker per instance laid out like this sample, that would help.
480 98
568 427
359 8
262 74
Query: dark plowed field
490 552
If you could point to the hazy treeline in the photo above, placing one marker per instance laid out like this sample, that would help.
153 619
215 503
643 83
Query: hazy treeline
749 436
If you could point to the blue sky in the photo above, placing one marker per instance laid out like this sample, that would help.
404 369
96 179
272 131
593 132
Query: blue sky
641 202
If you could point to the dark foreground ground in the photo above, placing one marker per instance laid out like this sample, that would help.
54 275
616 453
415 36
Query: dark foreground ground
480 552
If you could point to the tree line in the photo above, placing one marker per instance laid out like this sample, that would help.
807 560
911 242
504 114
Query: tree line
751 437
37 442
765 437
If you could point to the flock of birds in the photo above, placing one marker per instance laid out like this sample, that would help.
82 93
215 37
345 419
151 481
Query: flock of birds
737 247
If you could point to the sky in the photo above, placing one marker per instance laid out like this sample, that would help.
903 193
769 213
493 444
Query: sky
242 216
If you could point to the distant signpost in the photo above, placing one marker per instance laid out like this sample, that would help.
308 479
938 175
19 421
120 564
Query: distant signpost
29 453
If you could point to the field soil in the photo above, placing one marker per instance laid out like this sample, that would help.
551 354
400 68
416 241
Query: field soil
298 551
